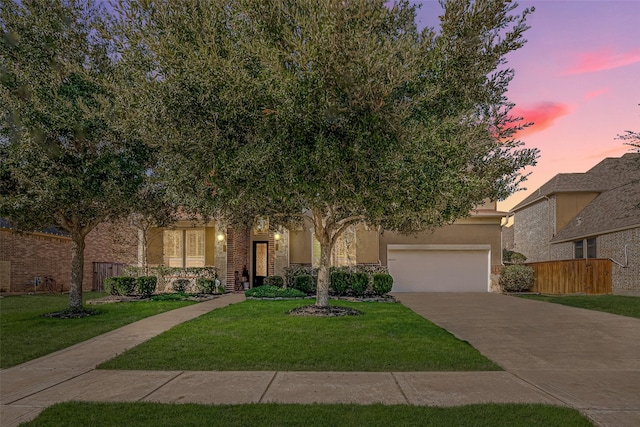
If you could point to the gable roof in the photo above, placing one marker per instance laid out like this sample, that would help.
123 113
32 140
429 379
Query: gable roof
617 179
615 209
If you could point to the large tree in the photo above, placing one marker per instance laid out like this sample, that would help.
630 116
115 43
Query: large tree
65 160
338 111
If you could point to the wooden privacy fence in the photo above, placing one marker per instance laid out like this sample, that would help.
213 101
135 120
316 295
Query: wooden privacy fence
572 276
101 270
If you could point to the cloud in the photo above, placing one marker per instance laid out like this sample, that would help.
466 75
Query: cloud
595 93
543 115
603 59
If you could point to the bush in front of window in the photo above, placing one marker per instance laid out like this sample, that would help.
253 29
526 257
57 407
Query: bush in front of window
516 278
276 281
293 271
382 283
146 285
304 283
205 285
359 284
339 281
180 285
268 291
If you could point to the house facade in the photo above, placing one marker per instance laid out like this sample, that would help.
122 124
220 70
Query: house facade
595 214
464 256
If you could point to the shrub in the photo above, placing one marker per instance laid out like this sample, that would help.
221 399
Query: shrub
339 281
109 285
359 283
120 285
293 271
512 257
304 283
268 291
205 285
180 285
146 285
276 281
516 278
382 283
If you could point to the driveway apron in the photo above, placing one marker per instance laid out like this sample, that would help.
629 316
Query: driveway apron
587 359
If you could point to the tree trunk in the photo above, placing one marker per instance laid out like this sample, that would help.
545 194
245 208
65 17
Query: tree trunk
77 271
322 294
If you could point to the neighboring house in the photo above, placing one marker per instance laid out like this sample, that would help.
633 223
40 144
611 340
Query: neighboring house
459 257
595 214
25 256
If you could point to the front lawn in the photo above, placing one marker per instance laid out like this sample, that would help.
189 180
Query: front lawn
155 414
261 336
27 335
615 304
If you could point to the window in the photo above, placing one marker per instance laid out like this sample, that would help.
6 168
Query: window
578 248
184 248
591 248
344 251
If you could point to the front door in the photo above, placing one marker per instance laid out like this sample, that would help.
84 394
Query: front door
260 262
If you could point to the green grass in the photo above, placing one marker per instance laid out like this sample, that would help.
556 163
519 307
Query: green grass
155 414
26 335
615 304
259 335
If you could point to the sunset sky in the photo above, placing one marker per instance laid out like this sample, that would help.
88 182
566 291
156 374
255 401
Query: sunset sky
577 78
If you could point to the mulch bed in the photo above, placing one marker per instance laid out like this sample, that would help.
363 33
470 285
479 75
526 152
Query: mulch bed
71 314
331 311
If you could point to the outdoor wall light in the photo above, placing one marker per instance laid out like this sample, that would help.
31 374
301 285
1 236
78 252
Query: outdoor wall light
220 237
277 235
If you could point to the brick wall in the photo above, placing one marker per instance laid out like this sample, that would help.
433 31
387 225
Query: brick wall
533 229
626 280
31 255
27 256
237 253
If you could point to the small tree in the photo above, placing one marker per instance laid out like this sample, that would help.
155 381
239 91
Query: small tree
65 159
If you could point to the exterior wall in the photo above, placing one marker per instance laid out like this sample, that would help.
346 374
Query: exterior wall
484 232
533 229
367 241
568 205
26 256
508 237
560 251
237 253
300 247
626 280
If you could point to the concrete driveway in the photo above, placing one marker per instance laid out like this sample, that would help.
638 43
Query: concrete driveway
587 359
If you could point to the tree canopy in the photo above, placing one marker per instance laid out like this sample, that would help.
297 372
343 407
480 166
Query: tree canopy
65 160
340 111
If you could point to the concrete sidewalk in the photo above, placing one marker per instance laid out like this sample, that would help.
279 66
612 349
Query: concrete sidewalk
541 366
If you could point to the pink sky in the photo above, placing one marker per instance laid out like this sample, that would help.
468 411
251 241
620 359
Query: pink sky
577 78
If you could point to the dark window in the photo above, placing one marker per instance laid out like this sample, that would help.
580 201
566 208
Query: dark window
578 247
591 248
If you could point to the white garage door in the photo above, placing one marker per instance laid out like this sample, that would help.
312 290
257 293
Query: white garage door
439 268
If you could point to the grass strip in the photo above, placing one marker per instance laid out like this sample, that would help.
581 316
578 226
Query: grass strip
615 304
155 414
260 336
26 335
